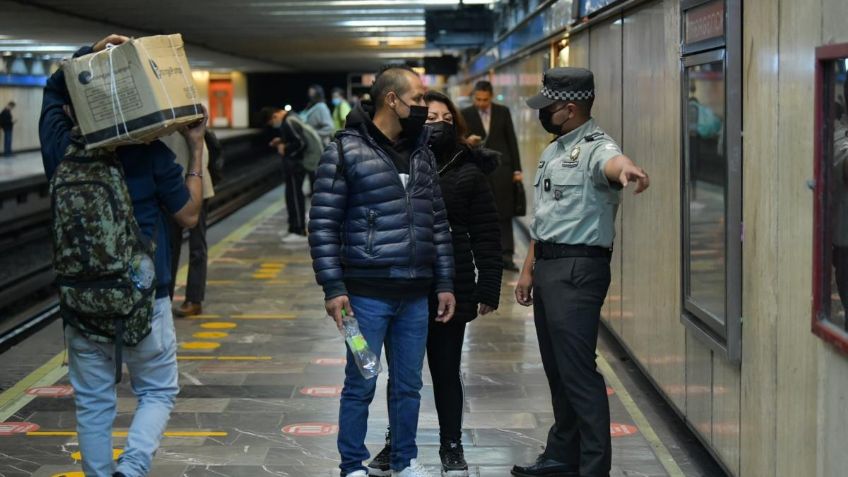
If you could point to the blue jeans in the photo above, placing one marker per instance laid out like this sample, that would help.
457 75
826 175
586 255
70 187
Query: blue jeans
153 375
402 324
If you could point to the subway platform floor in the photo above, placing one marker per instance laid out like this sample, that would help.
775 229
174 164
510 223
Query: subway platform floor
261 371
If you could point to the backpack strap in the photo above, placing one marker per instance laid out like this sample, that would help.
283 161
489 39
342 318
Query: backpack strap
119 345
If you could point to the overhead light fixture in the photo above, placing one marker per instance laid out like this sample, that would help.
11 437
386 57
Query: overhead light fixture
17 42
382 23
360 11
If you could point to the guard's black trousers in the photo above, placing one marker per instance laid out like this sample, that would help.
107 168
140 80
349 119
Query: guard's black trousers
567 298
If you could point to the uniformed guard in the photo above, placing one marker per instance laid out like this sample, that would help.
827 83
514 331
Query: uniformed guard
567 271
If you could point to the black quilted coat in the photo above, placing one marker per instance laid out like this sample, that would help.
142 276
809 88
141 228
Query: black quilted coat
365 224
474 228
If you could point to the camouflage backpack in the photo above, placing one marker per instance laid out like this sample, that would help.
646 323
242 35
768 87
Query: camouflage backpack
104 265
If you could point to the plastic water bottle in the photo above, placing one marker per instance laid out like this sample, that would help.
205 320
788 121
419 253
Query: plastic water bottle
142 271
365 359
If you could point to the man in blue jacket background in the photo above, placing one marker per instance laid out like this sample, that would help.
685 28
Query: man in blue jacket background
380 241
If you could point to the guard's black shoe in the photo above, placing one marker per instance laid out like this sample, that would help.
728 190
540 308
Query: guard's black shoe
453 460
546 467
118 474
381 464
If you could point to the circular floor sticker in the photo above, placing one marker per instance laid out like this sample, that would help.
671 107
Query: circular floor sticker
12 428
311 429
75 473
622 430
322 391
77 456
329 361
200 345
210 335
51 391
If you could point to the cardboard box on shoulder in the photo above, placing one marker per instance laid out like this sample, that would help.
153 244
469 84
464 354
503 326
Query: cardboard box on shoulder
133 93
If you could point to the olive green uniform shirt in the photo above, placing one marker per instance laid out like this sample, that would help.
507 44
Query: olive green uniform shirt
575 204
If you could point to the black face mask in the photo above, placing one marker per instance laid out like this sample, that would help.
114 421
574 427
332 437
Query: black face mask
413 124
442 138
546 118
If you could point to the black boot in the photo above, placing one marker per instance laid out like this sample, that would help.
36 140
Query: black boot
453 460
545 467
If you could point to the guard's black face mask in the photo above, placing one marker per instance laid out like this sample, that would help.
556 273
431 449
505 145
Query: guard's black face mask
546 118
442 138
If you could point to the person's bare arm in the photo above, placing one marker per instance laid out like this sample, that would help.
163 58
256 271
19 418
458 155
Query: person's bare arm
188 216
524 287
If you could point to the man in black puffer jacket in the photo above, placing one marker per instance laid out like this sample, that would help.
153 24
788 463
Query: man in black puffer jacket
380 242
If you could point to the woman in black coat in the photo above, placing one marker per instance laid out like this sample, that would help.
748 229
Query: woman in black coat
476 237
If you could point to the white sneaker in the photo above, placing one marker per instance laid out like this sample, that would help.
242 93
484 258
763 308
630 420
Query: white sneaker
294 238
358 473
415 469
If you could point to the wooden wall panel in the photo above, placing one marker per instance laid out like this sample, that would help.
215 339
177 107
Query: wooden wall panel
760 248
605 62
651 222
578 46
796 347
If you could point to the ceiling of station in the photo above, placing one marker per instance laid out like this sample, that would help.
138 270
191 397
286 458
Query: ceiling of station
248 35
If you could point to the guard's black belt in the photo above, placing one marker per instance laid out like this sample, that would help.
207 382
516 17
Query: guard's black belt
550 251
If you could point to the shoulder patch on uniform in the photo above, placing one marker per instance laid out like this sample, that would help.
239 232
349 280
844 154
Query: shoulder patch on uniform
611 147
593 136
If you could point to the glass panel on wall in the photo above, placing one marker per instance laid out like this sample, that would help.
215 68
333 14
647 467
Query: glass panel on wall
836 220
706 184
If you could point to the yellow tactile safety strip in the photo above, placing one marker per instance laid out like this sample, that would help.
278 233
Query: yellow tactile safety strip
639 419
126 433
219 325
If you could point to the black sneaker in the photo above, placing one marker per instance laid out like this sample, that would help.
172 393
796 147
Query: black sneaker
453 460
381 464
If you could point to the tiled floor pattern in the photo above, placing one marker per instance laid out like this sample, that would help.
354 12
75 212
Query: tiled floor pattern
260 375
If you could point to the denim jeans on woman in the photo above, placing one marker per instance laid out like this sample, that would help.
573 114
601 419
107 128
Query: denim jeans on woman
402 325
153 375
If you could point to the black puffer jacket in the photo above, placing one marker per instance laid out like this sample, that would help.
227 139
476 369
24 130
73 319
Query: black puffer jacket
474 228
365 224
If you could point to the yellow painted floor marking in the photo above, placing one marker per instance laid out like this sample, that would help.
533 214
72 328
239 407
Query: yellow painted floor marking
75 473
224 358
77 456
219 325
15 398
210 335
196 345
260 316
126 433
639 419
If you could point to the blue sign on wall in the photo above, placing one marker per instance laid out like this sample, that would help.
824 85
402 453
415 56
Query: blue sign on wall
22 80
588 7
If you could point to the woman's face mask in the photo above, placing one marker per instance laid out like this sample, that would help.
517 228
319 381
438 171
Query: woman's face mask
442 137
337 101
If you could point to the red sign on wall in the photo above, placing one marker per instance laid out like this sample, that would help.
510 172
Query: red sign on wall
704 22
311 429
12 428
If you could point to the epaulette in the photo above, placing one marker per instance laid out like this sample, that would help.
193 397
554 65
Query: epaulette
593 136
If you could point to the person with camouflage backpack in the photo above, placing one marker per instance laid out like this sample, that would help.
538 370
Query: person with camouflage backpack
109 211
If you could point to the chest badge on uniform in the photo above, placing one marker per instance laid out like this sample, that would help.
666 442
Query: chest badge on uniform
571 160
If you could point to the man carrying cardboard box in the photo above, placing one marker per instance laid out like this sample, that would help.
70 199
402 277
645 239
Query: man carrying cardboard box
155 185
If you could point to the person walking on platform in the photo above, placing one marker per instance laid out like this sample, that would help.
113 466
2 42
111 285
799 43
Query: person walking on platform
490 124
317 113
157 187
380 242
195 289
341 108
290 145
6 124
477 285
566 273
